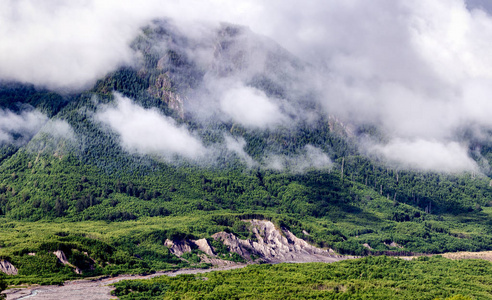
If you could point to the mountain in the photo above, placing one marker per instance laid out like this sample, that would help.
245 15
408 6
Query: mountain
203 131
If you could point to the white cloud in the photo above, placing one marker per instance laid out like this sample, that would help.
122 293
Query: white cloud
237 145
251 107
18 129
420 69
147 131
311 158
67 44
427 155
59 129
56 137
483 5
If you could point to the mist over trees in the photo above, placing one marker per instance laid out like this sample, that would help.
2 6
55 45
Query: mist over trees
368 138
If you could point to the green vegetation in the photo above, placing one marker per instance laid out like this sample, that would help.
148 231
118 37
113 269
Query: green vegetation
337 213
366 278
110 221
110 212
110 248
3 285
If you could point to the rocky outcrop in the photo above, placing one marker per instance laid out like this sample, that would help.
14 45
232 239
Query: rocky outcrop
179 247
343 128
162 89
393 245
271 244
63 259
183 246
217 262
241 247
274 245
204 246
7 268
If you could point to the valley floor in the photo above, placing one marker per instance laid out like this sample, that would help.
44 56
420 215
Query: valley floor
95 289
100 288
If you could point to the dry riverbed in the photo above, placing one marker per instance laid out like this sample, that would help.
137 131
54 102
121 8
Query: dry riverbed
100 289
95 289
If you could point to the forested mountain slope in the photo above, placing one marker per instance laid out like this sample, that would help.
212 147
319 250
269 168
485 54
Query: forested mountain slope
162 150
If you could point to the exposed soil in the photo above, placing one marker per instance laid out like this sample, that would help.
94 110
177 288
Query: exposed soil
486 255
270 245
7 268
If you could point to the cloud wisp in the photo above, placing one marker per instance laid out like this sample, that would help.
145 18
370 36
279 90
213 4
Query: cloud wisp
426 155
250 107
56 137
236 145
311 158
18 129
147 131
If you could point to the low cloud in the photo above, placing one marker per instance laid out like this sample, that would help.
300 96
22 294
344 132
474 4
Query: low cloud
147 131
67 45
59 129
236 145
311 158
420 70
250 107
56 137
427 155
18 129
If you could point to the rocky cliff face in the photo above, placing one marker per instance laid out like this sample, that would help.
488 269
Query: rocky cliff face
271 244
63 259
180 247
275 245
162 89
188 72
7 268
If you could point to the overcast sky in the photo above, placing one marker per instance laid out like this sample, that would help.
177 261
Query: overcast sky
420 69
